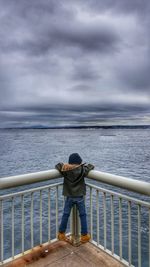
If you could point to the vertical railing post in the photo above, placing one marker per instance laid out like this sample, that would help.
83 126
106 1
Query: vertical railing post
91 213
149 237
56 210
22 223
13 227
40 217
129 234
49 215
120 228
75 227
1 231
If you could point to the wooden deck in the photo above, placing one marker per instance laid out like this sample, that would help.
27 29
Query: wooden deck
65 255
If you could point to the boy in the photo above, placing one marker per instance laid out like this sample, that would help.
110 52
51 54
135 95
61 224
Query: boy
74 189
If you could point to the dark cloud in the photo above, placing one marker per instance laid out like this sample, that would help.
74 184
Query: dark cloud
81 87
82 37
85 72
137 77
44 26
86 37
92 59
117 6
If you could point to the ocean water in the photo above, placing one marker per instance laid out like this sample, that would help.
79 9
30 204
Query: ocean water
123 152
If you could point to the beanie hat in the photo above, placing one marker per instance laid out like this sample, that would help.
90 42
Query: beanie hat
75 159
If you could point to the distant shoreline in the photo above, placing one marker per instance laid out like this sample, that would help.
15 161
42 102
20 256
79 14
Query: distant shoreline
80 127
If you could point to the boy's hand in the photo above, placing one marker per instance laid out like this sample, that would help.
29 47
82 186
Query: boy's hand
90 166
59 166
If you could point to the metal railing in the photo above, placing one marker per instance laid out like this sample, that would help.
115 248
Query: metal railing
120 217
28 206
116 221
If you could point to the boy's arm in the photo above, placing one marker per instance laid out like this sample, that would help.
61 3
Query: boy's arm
59 166
88 168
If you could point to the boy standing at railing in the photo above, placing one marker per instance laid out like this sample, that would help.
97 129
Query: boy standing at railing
74 189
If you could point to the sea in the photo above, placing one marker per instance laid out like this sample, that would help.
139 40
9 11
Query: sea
121 151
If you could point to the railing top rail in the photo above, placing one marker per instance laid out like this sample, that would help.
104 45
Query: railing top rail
115 180
120 181
30 178
29 191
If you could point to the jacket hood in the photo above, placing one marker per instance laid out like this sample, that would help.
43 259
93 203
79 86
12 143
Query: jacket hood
70 167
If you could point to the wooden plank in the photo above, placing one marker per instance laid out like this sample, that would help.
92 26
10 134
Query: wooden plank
65 255
97 257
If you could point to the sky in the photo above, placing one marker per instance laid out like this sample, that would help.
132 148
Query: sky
73 63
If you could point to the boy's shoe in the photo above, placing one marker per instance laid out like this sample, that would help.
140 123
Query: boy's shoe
62 237
85 238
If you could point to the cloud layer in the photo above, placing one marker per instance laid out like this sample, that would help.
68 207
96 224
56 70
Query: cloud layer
69 63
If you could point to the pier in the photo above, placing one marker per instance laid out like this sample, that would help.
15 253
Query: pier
110 219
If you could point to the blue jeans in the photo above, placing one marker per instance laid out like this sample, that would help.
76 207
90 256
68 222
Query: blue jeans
79 202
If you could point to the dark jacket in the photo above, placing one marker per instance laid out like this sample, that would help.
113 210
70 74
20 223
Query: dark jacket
74 184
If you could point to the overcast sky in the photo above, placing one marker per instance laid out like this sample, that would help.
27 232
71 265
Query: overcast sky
74 62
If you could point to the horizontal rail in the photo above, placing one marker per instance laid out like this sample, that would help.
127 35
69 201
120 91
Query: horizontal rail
120 181
25 179
29 191
112 193
115 180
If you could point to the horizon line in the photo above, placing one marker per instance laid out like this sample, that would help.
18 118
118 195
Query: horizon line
78 127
